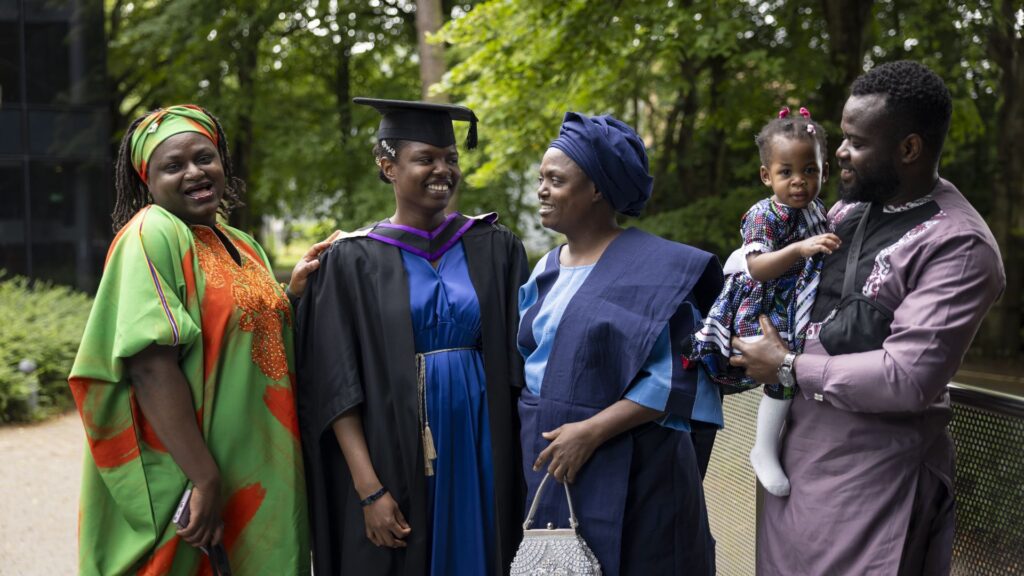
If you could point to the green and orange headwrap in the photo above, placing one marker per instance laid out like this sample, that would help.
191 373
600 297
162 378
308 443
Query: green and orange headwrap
164 123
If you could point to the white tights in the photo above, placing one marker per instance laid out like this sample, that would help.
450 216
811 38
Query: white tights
764 457
771 417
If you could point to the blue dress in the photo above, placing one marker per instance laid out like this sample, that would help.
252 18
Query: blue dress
446 328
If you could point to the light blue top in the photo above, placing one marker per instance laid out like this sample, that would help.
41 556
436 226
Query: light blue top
653 384
707 407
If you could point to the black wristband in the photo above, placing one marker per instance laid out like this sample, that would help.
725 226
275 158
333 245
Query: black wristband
373 497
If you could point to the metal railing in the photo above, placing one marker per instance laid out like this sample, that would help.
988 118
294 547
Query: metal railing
988 434
731 489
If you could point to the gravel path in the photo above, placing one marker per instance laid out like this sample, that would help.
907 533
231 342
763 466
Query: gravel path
40 469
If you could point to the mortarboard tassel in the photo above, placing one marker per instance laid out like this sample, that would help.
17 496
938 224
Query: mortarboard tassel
471 137
429 453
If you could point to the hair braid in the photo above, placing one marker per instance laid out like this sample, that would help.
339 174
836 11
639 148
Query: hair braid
132 194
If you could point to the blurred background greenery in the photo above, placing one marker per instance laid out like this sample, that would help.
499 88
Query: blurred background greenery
42 326
697 78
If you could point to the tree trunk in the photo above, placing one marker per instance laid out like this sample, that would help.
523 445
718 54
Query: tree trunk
687 182
663 186
847 23
432 67
115 96
342 83
718 141
244 217
1002 329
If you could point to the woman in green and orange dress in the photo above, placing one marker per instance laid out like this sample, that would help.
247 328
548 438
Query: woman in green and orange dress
184 378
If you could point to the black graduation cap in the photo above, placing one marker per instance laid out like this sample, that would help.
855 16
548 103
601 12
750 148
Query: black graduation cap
421 121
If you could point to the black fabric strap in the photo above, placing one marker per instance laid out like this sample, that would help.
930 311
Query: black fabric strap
373 497
851 259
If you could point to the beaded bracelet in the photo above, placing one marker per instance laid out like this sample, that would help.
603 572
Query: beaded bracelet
373 497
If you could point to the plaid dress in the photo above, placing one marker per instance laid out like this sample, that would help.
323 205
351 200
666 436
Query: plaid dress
786 300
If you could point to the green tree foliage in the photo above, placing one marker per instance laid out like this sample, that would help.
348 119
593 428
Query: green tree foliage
698 78
280 76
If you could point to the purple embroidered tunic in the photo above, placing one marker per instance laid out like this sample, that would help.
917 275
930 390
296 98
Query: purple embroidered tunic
866 446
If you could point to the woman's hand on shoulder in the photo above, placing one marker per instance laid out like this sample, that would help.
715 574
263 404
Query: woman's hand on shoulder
385 524
306 265
571 446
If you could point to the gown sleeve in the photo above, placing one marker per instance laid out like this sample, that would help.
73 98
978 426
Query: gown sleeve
518 273
153 288
327 348
653 385
662 383
143 299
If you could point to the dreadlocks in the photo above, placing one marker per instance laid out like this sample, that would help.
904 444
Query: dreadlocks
132 193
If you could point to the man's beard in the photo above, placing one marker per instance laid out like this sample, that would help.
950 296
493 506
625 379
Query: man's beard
878 186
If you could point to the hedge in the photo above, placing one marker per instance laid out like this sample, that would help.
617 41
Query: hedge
40 327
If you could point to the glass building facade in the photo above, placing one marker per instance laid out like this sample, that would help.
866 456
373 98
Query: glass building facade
55 150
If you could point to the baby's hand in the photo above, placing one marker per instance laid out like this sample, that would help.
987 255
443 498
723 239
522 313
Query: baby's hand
826 243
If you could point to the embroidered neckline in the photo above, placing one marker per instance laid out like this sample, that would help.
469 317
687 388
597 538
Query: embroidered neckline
264 309
896 208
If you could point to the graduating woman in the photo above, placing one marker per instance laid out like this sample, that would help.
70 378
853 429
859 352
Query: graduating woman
184 374
607 402
409 373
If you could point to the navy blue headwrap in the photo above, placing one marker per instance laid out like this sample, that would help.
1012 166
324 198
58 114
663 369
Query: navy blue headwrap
612 155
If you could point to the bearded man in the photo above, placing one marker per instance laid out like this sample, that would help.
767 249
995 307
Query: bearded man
866 448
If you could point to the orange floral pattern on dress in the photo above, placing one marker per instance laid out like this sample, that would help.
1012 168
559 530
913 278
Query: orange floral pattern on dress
264 308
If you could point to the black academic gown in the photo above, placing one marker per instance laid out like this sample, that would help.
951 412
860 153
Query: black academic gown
355 348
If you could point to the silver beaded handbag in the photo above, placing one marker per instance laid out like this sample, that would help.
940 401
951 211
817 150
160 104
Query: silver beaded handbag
554 551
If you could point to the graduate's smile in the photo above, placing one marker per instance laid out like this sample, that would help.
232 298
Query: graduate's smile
425 177
444 188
